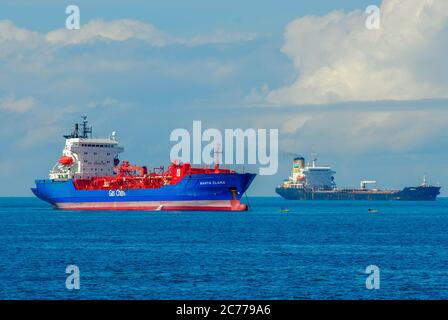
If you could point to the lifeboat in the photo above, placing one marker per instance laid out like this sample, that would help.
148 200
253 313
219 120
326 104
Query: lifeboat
66 161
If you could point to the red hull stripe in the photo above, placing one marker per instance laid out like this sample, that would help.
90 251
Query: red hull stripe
218 205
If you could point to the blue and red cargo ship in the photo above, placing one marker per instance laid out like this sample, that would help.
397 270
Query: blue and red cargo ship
89 176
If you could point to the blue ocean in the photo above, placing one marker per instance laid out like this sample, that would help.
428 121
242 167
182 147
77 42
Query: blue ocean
317 250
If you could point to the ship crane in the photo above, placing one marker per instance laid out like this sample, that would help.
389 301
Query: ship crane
364 183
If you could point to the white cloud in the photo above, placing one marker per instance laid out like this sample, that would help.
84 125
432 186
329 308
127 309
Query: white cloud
9 32
338 59
12 104
117 30
125 29
362 131
14 39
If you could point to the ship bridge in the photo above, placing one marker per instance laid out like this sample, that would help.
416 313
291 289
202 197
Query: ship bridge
85 157
311 175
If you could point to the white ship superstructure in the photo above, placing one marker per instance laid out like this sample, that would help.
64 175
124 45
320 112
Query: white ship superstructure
85 157
310 176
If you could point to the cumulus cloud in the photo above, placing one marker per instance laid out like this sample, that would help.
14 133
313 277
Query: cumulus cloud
364 131
338 59
11 104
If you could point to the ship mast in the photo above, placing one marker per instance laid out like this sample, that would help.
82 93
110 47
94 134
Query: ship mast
86 129
217 153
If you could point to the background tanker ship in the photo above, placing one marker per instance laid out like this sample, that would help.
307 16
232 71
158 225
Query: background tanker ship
312 182
89 176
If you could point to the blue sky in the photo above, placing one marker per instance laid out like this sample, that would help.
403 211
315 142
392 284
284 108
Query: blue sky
179 17
371 103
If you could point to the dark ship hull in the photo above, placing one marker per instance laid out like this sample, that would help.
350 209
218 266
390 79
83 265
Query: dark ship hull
421 193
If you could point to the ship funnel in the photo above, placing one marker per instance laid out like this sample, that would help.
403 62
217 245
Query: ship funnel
298 165
299 162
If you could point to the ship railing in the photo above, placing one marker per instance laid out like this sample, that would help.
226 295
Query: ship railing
294 185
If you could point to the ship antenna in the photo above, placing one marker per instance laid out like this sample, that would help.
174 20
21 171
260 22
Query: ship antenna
314 158
86 130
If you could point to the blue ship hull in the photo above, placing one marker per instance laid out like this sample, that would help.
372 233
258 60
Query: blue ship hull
421 193
195 192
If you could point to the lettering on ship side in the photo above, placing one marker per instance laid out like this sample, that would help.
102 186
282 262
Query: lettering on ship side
208 183
117 193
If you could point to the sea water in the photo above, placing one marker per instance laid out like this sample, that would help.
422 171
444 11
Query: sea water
316 250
